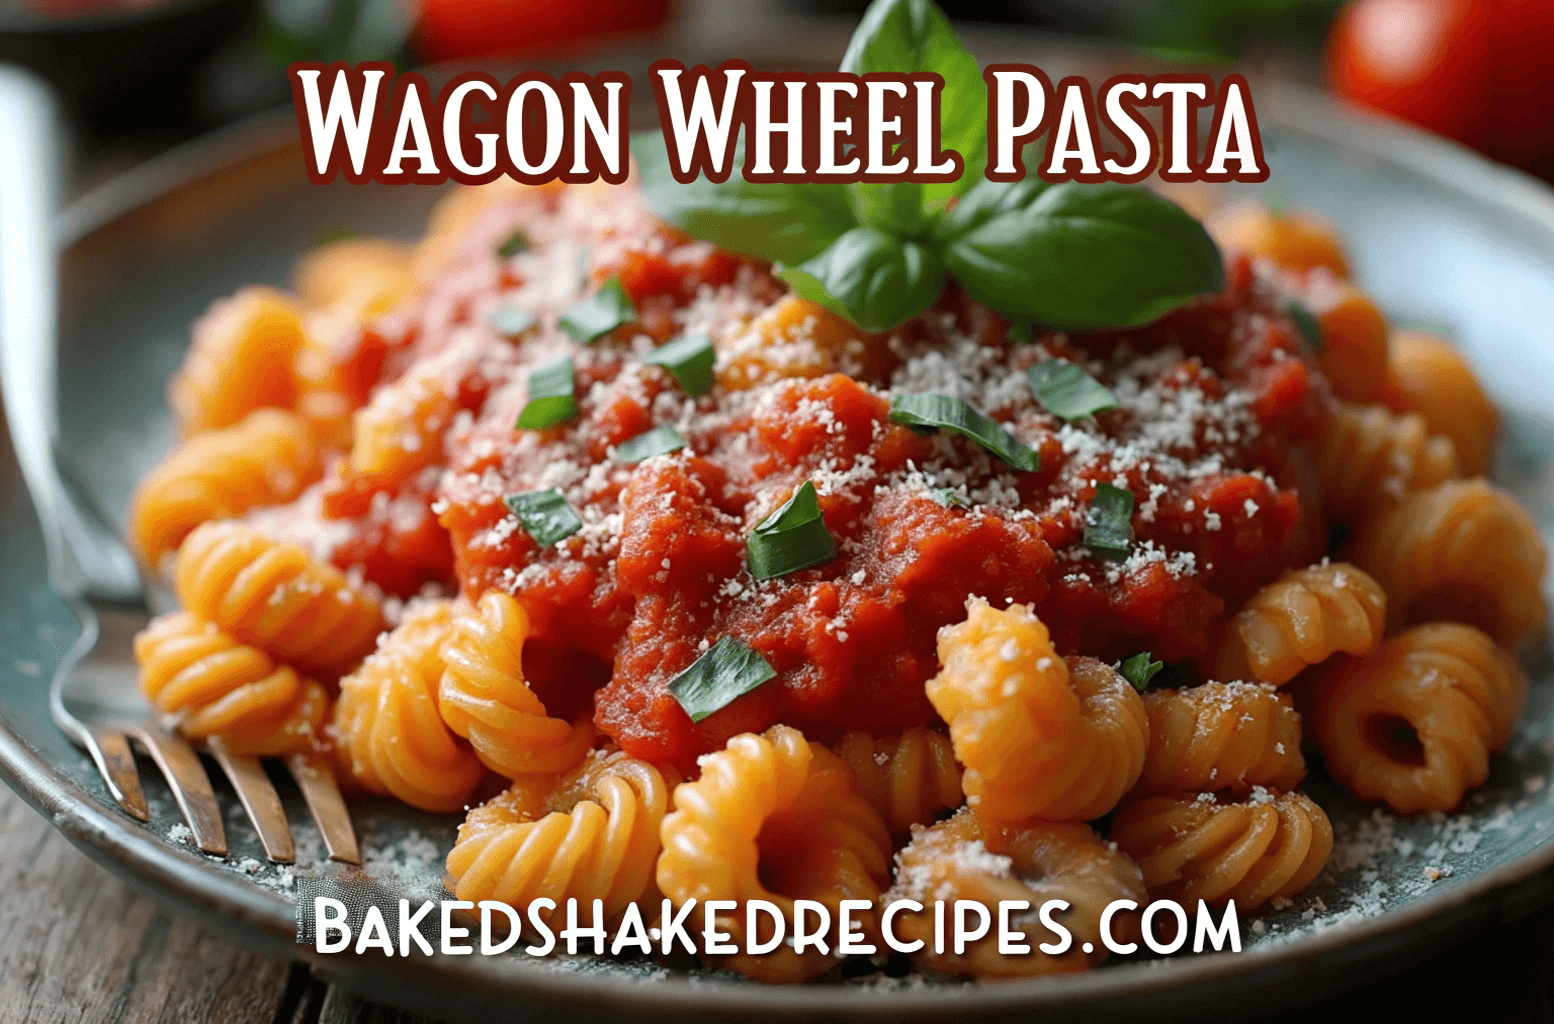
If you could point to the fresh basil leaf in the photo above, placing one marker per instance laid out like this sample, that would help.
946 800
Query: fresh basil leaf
600 313
942 412
727 670
894 207
948 498
1307 324
1067 391
873 279
1085 257
516 243
510 321
550 397
1139 670
690 359
914 35
1109 524
545 514
792 538
784 223
661 440
985 200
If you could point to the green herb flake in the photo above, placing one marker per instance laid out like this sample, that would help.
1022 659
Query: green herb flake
689 359
1307 324
948 498
545 514
792 538
510 321
1019 330
728 670
598 315
661 440
1109 524
550 396
1067 391
516 243
1139 670
942 412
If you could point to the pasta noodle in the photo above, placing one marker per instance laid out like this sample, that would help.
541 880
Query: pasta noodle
777 818
1301 619
1373 457
266 459
220 689
593 834
908 776
794 338
369 274
1413 725
1221 736
1463 551
241 360
483 696
1033 862
389 735
1040 736
1297 241
400 431
1431 377
1354 340
1196 847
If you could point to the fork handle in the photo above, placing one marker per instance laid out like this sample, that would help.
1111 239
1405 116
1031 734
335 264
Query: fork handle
84 556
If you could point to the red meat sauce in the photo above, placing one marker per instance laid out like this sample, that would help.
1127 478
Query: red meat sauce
1221 411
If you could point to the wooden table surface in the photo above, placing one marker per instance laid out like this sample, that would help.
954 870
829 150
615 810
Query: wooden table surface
78 945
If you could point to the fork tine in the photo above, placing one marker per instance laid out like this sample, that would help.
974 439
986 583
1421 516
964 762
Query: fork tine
115 762
318 787
190 785
259 799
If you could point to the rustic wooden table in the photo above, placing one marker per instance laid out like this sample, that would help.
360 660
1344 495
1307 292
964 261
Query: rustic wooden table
78 945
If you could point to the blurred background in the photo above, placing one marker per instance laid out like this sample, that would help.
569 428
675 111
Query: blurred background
137 76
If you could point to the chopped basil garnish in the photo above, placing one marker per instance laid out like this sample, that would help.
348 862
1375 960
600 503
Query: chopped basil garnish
545 514
792 538
946 413
690 359
599 314
516 243
1109 526
1307 324
510 321
1067 391
661 440
1019 330
728 670
1139 670
550 396
948 498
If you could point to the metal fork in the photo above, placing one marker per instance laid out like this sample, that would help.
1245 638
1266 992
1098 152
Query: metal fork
93 697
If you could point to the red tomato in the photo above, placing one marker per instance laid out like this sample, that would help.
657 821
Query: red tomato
461 29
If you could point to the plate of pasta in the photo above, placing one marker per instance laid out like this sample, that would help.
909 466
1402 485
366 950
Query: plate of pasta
598 562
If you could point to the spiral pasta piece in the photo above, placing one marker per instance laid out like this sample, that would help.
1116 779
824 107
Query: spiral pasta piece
1193 847
240 360
1432 377
1221 736
370 273
276 597
1372 457
592 834
1301 619
483 696
1040 736
773 817
389 736
1413 725
218 688
1034 861
907 776
401 430
265 460
1463 551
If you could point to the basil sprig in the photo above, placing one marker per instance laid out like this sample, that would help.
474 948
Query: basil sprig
932 411
792 538
727 670
545 514
1139 670
1073 256
1109 523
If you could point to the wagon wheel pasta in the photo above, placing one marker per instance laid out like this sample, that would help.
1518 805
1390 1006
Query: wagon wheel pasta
1431 377
1040 736
1033 861
1413 725
1373 456
389 735
1195 847
1463 551
218 688
908 776
1301 619
590 834
241 360
1221 736
266 459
